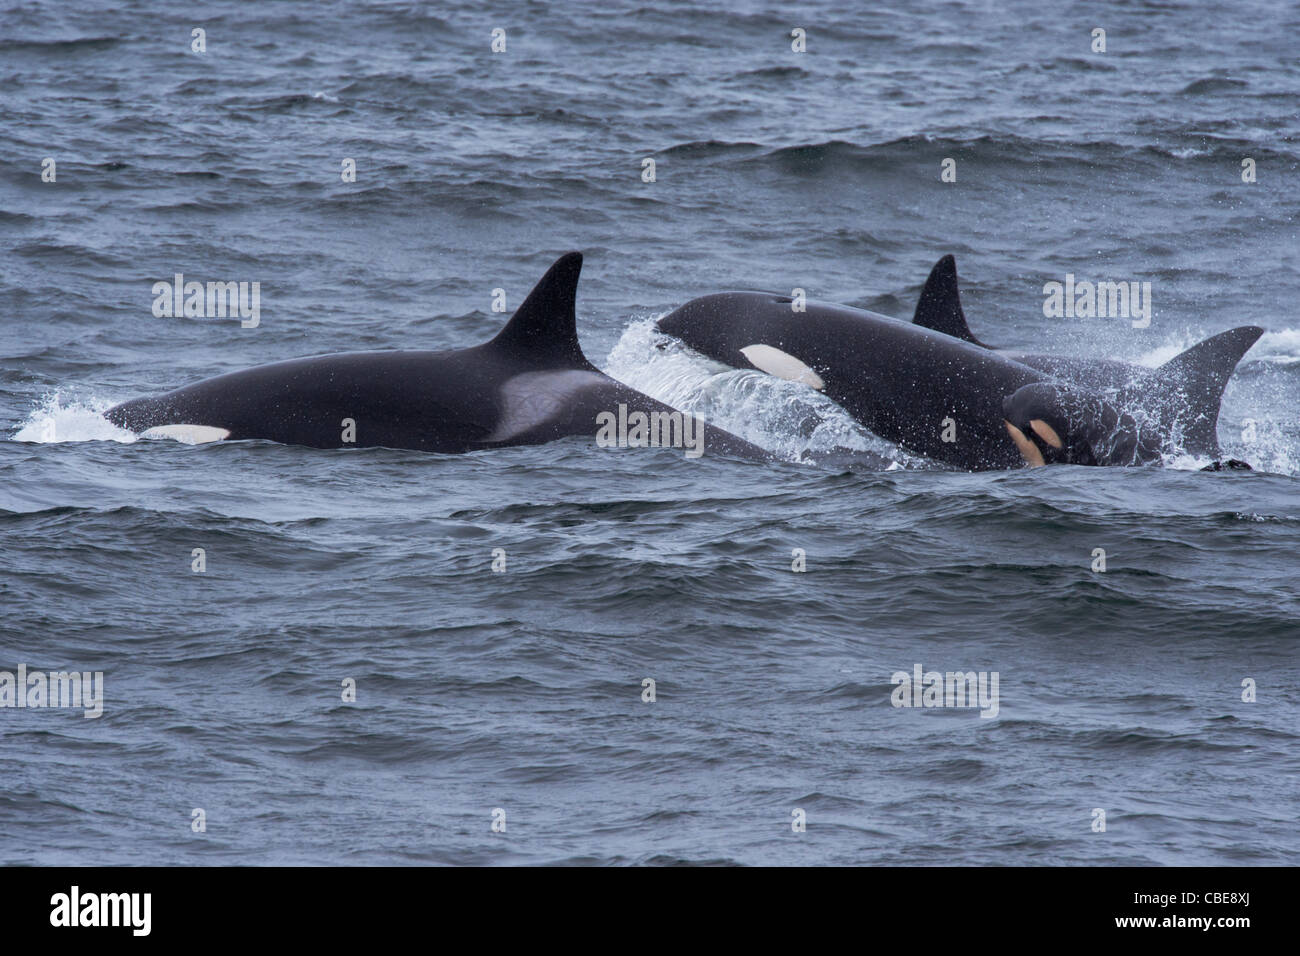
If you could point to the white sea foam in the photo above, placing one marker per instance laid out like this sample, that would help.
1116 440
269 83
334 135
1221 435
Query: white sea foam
1281 348
787 418
60 419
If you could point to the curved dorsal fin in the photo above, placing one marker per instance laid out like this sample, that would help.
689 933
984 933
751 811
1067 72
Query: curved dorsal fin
545 326
1198 376
939 307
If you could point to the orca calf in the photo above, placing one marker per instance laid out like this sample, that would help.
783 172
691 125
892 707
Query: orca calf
954 400
530 384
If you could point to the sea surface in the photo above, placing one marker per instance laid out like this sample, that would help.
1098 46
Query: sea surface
1163 692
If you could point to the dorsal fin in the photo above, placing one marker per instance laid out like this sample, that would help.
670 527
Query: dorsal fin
939 307
545 326
1198 376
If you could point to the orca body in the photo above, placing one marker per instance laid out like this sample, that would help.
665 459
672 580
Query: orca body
953 399
901 381
530 384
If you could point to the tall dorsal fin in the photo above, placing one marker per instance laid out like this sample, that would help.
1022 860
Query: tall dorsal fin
939 307
1199 376
545 326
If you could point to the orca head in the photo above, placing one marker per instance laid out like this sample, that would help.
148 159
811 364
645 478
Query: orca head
1053 424
709 326
737 329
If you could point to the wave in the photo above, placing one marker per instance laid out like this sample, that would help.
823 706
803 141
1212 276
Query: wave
1213 84
994 149
48 47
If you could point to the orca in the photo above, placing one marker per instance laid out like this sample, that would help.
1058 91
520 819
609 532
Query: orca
528 385
909 385
953 399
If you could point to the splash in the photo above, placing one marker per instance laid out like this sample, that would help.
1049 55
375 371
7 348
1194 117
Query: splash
1258 421
1274 348
1277 348
59 419
789 419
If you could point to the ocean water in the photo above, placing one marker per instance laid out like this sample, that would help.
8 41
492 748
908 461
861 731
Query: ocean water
521 691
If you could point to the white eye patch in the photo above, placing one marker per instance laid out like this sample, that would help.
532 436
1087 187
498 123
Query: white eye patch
189 434
782 365
1028 450
1047 433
